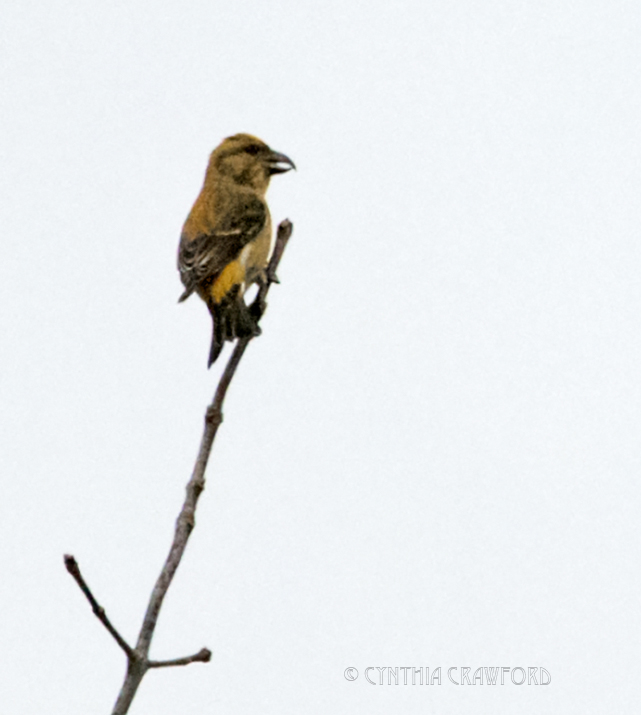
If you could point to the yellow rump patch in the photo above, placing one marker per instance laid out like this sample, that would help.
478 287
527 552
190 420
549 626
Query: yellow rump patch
233 274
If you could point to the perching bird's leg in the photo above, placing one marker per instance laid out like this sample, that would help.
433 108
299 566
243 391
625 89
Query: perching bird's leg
258 305
246 323
257 308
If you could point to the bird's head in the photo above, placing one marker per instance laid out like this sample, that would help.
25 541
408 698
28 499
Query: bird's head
248 161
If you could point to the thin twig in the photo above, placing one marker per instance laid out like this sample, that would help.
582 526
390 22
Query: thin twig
203 656
99 611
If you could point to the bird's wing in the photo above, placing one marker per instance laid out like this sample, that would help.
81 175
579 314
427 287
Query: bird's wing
204 257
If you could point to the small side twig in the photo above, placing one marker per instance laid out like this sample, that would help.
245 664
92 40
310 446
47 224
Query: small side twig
203 656
73 568
138 657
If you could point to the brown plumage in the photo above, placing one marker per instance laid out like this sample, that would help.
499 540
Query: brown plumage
226 241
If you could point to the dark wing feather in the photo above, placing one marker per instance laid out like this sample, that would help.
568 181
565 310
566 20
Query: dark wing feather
203 258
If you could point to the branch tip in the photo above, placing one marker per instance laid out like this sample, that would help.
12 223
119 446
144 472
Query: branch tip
203 656
72 567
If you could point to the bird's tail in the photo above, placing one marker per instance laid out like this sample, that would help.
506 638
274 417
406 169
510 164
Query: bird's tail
232 319
218 335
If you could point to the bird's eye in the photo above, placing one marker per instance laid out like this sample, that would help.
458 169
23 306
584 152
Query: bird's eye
252 149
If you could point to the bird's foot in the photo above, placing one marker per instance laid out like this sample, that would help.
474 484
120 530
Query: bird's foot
257 308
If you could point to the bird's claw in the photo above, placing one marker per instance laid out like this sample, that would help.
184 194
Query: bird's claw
257 308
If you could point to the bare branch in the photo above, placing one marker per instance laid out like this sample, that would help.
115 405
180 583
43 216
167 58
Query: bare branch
99 611
139 662
284 232
203 656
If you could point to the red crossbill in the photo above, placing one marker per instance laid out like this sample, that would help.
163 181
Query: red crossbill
227 241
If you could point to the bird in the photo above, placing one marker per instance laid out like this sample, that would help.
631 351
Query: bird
226 241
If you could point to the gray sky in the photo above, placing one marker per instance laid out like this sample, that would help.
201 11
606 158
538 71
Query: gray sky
431 456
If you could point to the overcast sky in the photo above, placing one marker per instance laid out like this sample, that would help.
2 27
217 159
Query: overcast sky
431 456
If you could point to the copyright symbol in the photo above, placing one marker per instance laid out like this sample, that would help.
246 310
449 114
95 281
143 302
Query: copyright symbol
350 673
